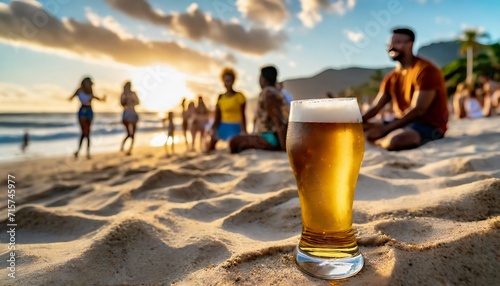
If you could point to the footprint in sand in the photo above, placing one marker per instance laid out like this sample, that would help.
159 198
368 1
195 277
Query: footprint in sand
139 170
370 188
457 260
41 225
275 218
416 230
479 204
194 190
63 200
46 194
131 174
185 186
457 166
211 210
165 178
213 162
136 254
265 182
472 202
393 171
106 206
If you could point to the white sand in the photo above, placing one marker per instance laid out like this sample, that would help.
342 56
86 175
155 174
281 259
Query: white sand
429 216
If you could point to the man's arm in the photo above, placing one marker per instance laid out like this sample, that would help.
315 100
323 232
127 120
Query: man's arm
380 101
420 103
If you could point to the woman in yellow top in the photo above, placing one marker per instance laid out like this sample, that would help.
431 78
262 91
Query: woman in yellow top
229 112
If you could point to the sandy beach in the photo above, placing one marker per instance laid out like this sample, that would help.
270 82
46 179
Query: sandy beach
429 216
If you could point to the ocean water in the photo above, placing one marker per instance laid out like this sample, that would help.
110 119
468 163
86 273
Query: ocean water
57 134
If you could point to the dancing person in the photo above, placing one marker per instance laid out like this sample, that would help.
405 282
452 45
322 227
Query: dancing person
85 113
271 118
130 117
26 140
170 133
230 119
185 121
199 122
418 94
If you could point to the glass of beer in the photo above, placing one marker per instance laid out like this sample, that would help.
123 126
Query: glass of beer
325 146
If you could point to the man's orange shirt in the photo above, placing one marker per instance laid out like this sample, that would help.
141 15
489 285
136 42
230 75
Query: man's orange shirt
421 75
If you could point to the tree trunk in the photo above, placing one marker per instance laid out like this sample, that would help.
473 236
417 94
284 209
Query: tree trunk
470 58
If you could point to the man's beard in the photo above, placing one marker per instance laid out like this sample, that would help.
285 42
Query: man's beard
396 55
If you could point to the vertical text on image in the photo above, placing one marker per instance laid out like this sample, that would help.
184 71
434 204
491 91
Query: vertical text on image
11 225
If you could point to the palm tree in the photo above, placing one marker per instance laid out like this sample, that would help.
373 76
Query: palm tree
471 46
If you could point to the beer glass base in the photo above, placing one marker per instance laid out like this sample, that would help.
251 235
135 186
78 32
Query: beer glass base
329 268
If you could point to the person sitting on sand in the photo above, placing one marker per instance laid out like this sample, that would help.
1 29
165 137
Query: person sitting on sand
417 91
466 104
230 117
85 113
271 118
472 106
458 100
130 117
491 90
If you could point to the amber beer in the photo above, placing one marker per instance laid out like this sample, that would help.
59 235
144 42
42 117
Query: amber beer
325 146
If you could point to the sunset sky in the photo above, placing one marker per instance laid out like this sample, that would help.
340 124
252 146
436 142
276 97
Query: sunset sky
172 49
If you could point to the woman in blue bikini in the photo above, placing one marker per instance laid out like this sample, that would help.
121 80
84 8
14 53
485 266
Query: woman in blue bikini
85 113
230 117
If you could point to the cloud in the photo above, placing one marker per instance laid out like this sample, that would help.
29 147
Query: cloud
443 20
270 13
354 36
29 24
196 25
310 14
479 29
107 22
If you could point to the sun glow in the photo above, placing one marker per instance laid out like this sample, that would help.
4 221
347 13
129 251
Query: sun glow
159 139
160 88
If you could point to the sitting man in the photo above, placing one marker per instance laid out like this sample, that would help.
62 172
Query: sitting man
491 91
271 119
417 91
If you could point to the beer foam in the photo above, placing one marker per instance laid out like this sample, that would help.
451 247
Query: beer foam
340 110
